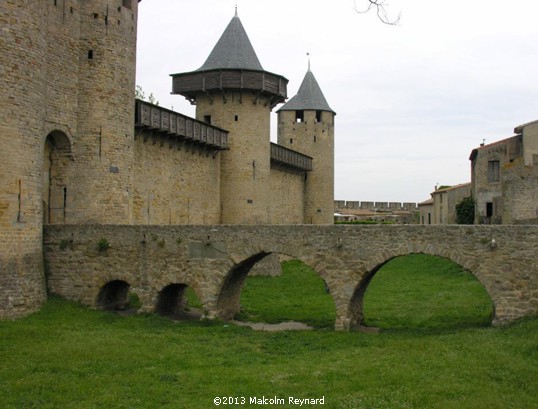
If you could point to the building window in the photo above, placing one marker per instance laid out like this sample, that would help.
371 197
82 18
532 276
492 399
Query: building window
494 171
207 119
318 116
299 116
127 3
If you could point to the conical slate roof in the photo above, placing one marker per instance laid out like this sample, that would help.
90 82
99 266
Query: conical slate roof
309 97
233 50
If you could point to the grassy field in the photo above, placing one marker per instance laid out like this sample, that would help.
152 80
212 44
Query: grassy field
426 293
280 299
66 356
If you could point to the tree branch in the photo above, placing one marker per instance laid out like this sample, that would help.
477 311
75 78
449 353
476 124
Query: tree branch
380 11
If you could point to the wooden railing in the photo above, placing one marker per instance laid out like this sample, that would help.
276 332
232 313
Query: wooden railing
288 157
160 119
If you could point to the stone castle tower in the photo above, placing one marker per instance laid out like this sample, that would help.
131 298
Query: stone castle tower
232 91
66 123
306 124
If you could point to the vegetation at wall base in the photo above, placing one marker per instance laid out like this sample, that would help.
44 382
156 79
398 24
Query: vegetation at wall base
67 356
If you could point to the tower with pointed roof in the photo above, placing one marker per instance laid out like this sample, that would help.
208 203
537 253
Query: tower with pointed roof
306 124
232 90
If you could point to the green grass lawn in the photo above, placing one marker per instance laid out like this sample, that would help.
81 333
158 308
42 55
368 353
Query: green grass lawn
66 356
419 291
280 299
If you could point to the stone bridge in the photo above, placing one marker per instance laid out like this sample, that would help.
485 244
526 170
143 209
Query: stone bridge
97 264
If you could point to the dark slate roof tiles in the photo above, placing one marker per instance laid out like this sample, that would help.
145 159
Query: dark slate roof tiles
309 97
233 50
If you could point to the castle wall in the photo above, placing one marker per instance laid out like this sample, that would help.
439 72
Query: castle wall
287 197
245 166
174 186
66 128
22 114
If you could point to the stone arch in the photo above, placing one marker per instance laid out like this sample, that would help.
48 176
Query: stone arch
114 295
355 309
230 290
228 302
171 299
57 155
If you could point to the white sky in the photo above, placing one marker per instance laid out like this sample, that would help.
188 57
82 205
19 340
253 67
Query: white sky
412 100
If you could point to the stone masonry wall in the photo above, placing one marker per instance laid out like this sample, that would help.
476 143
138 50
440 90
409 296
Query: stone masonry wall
287 197
520 192
530 143
485 191
174 186
105 137
23 70
67 79
215 260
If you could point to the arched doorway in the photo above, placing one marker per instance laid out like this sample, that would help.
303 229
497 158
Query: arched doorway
421 291
56 157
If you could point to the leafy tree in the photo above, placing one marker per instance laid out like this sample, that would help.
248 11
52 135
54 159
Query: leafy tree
465 211
140 94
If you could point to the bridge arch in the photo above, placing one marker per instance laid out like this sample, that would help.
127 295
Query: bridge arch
356 314
114 295
230 289
228 304
172 299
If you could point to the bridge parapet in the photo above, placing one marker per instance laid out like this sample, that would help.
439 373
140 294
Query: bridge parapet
214 260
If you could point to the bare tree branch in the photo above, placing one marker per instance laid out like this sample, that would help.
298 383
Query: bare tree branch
380 6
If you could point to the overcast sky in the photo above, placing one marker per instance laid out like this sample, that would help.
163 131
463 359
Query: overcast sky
412 100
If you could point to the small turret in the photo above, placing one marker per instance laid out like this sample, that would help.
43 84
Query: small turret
306 124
